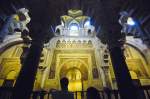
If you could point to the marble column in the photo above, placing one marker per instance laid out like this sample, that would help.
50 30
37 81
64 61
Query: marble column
25 81
125 85
112 36
26 45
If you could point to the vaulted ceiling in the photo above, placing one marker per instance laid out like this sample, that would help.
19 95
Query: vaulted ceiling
102 12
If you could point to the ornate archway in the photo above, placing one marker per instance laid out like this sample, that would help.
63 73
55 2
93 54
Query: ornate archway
74 64
76 71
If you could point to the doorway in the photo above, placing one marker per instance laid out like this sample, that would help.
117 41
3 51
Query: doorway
75 81
74 76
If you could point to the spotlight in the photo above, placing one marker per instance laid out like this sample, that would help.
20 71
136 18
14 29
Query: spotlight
130 21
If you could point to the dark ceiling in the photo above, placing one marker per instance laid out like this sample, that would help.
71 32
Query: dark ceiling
46 13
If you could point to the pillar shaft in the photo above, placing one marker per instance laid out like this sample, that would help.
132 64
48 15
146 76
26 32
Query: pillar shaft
125 86
111 34
25 81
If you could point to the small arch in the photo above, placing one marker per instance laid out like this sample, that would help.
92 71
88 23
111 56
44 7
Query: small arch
89 32
63 41
89 42
7 46
141 53
58 41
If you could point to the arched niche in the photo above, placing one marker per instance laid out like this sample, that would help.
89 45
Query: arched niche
136 61
74 64
11 51
76 71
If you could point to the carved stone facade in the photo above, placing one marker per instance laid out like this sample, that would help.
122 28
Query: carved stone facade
82 58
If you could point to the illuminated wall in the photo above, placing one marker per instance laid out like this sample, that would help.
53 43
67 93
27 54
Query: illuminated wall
75 64
80 56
